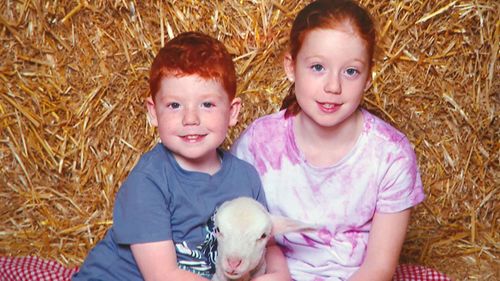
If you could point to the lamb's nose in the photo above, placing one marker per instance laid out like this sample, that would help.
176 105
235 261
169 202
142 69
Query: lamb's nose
233 262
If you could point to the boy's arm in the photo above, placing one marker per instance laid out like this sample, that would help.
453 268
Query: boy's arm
157 261
384 246
277 267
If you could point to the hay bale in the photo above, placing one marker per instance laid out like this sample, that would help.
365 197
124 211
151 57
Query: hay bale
73 124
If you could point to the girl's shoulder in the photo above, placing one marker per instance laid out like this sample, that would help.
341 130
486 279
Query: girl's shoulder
273 119
268 127
381 130
274 122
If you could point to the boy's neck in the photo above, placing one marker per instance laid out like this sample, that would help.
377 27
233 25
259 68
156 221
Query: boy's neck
209 164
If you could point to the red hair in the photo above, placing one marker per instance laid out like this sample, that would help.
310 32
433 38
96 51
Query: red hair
194 53
328 14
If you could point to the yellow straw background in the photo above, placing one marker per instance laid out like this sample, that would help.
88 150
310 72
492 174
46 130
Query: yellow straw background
73 79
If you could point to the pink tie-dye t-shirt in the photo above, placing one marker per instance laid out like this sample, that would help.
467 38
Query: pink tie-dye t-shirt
380 174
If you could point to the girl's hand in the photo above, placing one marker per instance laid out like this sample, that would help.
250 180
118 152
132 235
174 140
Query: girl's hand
384 246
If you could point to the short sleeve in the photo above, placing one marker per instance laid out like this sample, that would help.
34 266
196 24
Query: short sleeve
241 147
141 212
401 185
259 194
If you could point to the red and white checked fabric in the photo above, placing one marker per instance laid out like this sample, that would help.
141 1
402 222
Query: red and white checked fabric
409 272
37 269
33 269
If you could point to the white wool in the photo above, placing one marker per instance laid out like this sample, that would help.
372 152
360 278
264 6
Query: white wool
243 228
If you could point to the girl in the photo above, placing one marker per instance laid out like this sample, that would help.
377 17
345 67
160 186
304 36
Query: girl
325 160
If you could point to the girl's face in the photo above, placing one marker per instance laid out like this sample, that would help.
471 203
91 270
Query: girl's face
331 73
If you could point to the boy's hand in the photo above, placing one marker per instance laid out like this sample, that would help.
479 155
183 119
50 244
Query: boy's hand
157 261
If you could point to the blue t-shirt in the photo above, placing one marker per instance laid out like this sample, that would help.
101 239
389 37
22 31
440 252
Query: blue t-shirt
161 201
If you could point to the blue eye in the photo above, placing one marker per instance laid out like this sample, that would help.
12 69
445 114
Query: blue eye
351 72
174 105
317 67
207 104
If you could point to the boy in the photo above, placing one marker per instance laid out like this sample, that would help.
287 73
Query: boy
162 214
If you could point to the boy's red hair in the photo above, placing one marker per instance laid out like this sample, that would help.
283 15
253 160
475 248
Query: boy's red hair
194 53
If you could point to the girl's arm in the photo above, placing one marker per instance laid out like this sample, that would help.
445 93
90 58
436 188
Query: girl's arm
277 267
384 246
158 261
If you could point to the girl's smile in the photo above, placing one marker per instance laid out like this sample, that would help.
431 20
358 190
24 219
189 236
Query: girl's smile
329 107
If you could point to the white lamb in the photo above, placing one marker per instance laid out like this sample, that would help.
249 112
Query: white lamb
242 227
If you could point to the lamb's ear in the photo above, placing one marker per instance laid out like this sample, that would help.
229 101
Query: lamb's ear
283 225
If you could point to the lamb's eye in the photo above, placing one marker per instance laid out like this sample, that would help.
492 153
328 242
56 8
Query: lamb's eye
218 233
263 236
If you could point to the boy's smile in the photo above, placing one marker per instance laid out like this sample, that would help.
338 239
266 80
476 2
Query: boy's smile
193 115
193 138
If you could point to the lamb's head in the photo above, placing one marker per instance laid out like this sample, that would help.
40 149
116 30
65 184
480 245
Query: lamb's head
243 227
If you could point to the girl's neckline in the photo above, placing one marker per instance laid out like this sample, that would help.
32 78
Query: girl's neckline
290 131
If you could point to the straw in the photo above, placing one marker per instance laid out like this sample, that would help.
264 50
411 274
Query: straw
73 122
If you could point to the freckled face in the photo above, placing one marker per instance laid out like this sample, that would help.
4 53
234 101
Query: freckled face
331 73
193 116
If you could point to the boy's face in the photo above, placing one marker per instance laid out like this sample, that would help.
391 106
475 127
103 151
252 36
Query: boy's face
193 115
